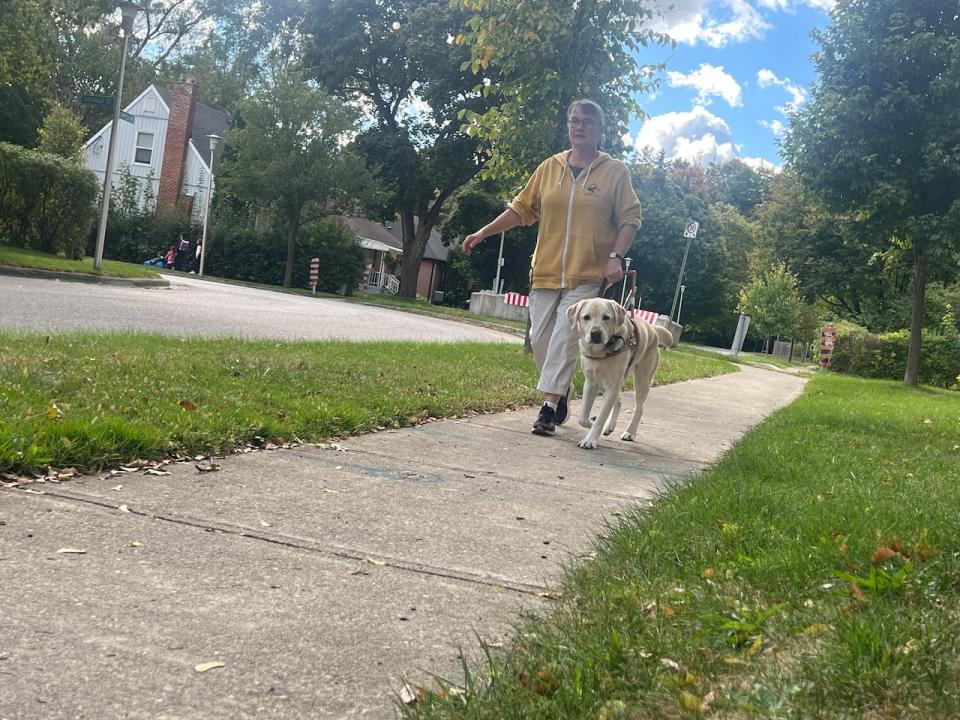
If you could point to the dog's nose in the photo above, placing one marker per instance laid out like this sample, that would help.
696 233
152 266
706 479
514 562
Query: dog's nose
595 336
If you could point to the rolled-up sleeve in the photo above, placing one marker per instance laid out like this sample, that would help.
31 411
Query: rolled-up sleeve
627 208
527 203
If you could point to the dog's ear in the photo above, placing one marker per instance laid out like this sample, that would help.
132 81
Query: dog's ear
573 313
620 314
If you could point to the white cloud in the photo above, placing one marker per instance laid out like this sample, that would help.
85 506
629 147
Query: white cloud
758 164
718 23
767 78
697 136
709 80
789 5
724 21
774 126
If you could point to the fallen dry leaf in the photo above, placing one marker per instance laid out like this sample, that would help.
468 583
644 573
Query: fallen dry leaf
123 508
188 405
72 551
882 554
374 561
203 667
206 466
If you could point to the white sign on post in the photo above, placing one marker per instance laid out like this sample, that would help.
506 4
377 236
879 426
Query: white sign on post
691 230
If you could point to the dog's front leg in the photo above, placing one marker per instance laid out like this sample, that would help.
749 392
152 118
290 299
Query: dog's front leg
614 414
586 404
610 397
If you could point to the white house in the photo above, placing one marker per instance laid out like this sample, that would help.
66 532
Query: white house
166 146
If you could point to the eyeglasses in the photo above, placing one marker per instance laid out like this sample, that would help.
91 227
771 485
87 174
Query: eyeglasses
587 122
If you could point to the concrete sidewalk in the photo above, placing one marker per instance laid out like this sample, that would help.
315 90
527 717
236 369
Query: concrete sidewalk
321 578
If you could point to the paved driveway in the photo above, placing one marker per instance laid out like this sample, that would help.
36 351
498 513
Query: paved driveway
197 307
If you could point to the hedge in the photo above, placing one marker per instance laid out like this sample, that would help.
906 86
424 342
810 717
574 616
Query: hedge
859 352
261 256
47 203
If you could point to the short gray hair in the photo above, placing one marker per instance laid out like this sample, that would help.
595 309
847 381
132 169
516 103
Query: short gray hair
588 107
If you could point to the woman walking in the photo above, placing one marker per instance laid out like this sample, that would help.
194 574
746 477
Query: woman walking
588 215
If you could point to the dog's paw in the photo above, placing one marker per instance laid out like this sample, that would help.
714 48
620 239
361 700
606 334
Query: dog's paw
608 430
628 436
587 444
584 423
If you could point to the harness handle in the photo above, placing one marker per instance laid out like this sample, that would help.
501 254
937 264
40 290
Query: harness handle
628 301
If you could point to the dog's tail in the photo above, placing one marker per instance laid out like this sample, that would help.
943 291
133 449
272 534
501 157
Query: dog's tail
664 336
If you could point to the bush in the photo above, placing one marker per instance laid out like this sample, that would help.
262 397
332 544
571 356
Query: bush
341 257
138 237
245 254
47 203
261 257
858 352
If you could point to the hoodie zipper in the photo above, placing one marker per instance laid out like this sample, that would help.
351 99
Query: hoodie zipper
566 234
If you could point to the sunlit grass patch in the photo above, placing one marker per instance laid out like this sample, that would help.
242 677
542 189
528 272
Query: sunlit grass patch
19 257
93 401
811 574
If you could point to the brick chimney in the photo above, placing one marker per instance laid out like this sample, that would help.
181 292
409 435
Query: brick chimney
183 103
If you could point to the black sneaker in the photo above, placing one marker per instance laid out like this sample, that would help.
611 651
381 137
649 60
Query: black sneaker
546 423
563 406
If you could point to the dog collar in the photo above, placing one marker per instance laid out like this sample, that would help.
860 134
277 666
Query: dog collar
616 345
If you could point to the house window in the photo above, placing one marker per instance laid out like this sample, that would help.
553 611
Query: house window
144 152
149 104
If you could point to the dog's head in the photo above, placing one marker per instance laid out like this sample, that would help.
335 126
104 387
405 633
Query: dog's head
596 319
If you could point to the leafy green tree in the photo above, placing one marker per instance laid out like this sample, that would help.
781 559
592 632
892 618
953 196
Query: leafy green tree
773 302
542 55
288 155
880 140
62 134
394 60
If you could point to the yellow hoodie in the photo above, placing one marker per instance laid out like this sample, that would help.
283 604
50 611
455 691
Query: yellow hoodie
579 219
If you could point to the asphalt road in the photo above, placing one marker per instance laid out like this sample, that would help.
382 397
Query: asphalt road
197 307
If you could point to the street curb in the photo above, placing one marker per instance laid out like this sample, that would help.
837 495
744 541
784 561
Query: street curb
81 277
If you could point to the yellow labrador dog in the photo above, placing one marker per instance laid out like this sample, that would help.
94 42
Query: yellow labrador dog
612 343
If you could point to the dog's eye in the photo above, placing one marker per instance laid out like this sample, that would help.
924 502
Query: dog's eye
586 317
606 317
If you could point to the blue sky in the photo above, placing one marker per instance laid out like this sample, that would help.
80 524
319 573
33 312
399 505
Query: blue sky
738 68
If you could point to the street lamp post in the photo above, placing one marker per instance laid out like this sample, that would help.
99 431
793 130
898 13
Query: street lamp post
129 14
680 306
214 142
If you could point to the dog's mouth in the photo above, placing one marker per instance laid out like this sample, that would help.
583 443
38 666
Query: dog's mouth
596 337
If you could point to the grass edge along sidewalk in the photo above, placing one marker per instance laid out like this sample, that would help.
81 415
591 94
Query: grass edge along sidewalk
813 573
33 259
91 401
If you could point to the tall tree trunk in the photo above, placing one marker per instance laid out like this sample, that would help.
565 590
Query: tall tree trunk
916 318
293 227
416 232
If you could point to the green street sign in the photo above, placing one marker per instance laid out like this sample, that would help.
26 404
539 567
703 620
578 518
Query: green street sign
126 116
104 100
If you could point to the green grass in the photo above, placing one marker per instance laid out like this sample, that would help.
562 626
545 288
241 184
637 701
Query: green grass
18 257
92 401
814 573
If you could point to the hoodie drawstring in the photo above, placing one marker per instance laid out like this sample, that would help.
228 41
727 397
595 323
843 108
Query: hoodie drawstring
586 175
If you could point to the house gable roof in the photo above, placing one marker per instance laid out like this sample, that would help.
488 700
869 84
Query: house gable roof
206 121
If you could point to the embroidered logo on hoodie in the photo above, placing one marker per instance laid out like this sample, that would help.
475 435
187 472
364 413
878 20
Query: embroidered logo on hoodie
592 189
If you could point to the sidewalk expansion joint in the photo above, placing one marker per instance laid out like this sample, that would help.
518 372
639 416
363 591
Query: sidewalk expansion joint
336 551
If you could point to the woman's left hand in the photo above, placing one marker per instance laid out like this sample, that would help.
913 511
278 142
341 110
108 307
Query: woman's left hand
613 271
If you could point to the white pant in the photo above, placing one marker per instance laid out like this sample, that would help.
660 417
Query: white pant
553 339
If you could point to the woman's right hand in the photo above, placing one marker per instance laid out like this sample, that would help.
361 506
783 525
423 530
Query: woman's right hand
471 241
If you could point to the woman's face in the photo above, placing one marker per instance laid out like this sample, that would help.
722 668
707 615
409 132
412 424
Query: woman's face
584 129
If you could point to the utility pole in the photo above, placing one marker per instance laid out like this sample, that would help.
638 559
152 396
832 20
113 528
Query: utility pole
129 14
